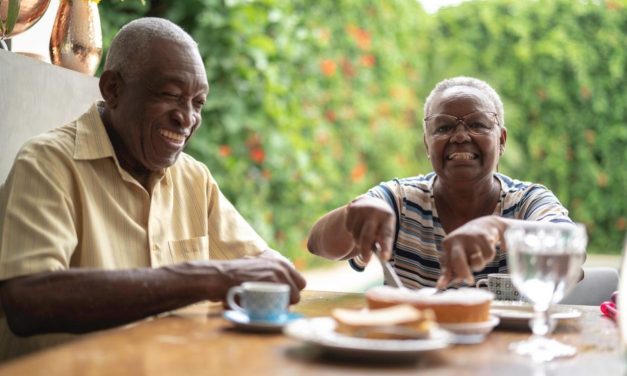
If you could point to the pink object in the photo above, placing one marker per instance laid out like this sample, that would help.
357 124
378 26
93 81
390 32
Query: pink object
609 310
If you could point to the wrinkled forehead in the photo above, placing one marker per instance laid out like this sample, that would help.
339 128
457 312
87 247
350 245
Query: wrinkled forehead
173 58
461 100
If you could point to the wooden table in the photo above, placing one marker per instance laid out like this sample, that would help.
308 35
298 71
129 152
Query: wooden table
198 341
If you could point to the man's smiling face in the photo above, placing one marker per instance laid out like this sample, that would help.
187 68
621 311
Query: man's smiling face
159 109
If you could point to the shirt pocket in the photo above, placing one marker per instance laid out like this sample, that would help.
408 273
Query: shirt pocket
190 249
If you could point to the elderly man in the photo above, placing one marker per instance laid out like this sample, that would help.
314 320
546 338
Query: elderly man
105 221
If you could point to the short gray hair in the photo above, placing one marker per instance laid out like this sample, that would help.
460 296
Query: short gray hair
130 48
472 82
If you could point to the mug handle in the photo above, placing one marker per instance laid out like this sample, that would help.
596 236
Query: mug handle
230 298
481 282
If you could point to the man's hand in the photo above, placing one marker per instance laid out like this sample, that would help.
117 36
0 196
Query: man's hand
371 220
267 268
469 248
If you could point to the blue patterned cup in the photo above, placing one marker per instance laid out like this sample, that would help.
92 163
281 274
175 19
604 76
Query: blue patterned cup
260 301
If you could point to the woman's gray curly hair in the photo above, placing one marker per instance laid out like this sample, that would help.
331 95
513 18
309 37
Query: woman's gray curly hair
130 48
476 83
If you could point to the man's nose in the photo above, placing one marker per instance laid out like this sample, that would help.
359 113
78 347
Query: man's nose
185 115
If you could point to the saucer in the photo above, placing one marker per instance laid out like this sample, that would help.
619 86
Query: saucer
242 321
516 315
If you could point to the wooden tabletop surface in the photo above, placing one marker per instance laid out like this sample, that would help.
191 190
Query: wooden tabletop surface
197 341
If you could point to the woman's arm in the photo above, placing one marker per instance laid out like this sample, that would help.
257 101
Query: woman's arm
352 230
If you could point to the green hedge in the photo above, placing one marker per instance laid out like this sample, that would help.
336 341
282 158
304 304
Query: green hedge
312 102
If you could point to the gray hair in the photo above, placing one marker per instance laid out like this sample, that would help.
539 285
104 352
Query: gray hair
130 48
472 82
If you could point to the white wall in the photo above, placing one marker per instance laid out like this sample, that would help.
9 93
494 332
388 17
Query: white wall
36 97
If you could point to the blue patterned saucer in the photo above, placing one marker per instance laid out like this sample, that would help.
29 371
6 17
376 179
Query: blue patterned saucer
242 321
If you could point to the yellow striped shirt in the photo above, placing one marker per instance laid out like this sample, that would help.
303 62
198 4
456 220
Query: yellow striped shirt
67 203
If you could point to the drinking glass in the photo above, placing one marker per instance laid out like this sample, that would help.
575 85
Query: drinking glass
545 261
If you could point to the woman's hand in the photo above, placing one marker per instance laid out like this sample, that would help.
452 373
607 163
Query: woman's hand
469 248
371 220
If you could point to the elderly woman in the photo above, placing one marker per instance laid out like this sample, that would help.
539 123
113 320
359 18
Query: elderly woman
446 226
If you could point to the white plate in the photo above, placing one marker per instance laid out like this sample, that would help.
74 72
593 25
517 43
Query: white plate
320 331
242 321
518 314
471 333
474 327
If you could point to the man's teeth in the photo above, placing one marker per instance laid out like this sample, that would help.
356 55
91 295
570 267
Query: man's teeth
461 156
172 135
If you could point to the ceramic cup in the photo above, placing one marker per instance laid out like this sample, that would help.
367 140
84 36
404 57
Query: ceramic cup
500 284
260 301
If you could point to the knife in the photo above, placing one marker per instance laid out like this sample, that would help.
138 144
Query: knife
388 270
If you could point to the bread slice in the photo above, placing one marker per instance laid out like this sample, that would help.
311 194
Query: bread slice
396 322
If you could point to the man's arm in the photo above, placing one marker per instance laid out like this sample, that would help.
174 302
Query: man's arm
83 300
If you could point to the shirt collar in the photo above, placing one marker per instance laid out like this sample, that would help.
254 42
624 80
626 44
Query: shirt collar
92 140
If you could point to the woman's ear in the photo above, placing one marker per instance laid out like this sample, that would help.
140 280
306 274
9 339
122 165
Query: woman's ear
110 84
424 140
502 140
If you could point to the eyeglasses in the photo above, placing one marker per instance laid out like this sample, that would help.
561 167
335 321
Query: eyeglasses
478 123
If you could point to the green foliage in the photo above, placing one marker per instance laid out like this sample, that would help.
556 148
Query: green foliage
312 103
560 68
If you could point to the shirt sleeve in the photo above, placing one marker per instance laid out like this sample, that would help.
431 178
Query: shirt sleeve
37 220
540 204
230 236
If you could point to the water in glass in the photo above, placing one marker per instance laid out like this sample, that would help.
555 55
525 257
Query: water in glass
545 261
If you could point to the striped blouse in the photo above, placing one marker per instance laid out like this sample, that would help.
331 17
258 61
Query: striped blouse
419 233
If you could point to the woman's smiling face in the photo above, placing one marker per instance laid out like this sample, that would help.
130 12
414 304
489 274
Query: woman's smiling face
463 156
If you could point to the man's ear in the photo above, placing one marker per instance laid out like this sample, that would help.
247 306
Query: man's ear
110 85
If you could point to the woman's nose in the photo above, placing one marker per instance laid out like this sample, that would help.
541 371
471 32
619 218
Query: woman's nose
460 133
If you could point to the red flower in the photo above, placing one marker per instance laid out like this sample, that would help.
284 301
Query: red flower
330 115
359 171
368 61
257 155
224 150
328 67
360 36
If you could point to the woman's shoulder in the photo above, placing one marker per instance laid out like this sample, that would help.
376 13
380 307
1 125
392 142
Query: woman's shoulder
512 185
421 182
414 188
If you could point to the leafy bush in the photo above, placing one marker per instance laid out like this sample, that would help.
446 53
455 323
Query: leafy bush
312 103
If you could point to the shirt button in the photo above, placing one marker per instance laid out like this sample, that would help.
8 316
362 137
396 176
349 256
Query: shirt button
155 247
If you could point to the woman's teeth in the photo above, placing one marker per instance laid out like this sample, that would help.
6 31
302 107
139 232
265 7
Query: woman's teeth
461 156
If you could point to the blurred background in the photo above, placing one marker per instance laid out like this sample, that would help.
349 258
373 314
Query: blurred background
314 102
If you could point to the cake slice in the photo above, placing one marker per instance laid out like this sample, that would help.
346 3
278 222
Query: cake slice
464 305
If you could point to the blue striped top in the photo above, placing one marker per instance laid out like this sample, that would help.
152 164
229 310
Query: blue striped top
419 233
